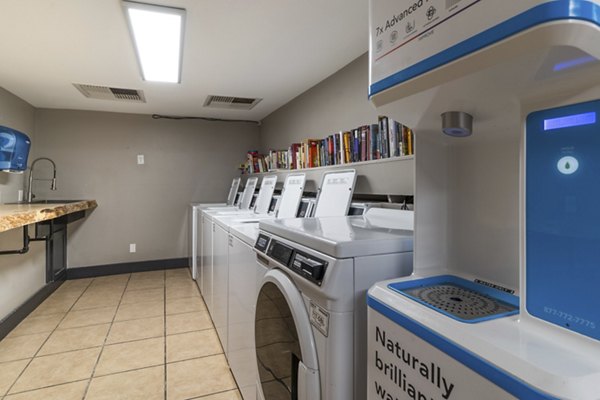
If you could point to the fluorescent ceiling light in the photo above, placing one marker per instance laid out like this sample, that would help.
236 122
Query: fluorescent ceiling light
158 38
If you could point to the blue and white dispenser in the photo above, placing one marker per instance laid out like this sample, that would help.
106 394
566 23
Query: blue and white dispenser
14 150
562 259
507 221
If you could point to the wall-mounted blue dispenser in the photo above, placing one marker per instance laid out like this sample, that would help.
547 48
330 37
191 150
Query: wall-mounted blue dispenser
14 150
563 239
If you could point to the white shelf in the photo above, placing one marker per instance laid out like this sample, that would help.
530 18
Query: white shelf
387 176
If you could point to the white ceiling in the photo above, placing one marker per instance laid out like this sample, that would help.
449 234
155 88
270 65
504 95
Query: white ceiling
273 49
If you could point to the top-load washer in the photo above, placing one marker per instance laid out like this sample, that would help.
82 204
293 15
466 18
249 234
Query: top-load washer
204 227
310 320
245 275
195 231
207 254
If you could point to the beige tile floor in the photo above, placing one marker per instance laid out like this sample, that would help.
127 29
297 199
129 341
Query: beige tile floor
134 336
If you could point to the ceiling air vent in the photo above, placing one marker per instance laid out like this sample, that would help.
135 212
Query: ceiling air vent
232 103
109 93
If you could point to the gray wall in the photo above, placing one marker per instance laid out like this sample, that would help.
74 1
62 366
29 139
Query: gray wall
338 103
96 157
20 275
16 114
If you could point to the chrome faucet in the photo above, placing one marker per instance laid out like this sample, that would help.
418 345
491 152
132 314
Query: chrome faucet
30 195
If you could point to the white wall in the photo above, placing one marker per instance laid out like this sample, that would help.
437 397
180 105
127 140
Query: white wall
96 158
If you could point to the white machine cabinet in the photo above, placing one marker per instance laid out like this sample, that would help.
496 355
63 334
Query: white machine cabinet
220 282
241 306
505 217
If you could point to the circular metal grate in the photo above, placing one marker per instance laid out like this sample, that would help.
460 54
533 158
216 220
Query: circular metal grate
460 302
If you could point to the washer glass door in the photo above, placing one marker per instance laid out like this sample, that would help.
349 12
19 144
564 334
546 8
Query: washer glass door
285 349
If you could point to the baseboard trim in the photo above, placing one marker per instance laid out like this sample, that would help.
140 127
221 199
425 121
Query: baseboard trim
12 320
125 268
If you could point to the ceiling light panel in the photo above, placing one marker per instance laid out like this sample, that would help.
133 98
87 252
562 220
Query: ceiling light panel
157 33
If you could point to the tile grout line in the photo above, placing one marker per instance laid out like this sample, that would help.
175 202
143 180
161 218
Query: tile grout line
47 387
87 388
71 308
204 396
165 333
46 340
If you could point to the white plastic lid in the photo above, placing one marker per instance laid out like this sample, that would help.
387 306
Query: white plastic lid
265 194
248 193
335 193
293 188
235 184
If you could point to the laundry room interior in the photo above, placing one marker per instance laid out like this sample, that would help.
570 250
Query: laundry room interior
261 200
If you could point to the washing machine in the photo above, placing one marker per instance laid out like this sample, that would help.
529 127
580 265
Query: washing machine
244 273
311 314
204 231
209 228
195 230
223 242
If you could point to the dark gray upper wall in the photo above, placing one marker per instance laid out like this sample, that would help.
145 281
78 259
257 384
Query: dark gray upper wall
338 103
96 156
16 114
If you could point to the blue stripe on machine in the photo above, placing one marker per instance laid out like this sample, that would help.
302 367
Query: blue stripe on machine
543 13
509 383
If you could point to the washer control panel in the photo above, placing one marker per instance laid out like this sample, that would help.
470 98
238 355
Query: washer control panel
305 265
309 267
280 252
262 243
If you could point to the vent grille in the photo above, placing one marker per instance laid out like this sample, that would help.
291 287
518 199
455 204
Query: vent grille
230 102
110 93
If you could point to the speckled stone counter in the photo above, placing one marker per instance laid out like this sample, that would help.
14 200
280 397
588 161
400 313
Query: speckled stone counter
18 215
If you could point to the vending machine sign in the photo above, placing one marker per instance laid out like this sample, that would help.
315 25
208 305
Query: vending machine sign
406 33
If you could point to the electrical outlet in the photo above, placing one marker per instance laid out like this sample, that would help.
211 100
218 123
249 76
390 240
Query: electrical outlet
140 159
20 195
132 247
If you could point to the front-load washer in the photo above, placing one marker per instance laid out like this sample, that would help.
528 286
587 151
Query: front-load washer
310 321
222 242
241 289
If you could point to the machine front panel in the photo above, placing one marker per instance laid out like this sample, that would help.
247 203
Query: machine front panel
563 216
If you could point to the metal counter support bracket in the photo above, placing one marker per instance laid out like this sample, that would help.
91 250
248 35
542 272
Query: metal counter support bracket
26 240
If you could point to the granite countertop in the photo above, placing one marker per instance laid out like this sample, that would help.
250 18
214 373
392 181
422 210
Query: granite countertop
17 215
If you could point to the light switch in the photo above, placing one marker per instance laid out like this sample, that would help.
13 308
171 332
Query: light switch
140 159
